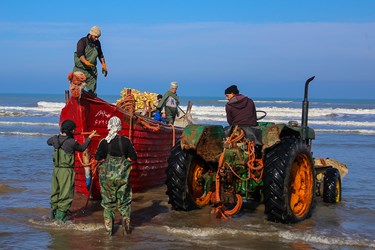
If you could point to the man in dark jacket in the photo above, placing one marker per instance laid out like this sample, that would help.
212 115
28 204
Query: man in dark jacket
240 110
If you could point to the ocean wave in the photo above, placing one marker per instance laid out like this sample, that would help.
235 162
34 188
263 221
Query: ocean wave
273 101
204 233
285 111
29 123
11 113
223 119
346 131
55 105
18 133
267 101
209 110
334 123
46 222
45 107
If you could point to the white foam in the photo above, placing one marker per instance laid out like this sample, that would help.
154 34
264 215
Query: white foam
346 131
331 240
29 123
18 133
207 232
283 111
48 107
68 225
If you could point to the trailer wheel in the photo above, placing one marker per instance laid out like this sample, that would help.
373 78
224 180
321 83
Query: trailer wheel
332 186
185 183
289 183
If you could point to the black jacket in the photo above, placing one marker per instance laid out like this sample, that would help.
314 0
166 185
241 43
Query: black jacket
69 145
127 149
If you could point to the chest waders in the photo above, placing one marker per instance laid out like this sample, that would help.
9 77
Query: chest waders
62 185
170 114
115 189
91 73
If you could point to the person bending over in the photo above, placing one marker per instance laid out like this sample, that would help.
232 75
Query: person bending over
88 50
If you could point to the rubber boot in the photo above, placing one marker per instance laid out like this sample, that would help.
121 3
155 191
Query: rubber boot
53 214
60 216
125 226
108 224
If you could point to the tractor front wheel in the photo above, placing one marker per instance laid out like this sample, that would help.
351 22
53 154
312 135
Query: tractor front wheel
332 186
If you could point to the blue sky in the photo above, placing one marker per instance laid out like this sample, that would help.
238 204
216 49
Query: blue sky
268 48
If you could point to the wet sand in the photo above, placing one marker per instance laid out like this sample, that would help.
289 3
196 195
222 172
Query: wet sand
145 206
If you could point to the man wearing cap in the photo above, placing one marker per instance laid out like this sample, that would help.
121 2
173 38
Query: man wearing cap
88 49
240 109
168 105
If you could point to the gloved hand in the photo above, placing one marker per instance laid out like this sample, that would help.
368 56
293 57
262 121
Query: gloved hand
104 70
88 64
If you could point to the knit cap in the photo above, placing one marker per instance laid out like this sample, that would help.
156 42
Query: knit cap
95 31
232 90
174 85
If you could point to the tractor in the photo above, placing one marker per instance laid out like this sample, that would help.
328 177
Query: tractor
269 163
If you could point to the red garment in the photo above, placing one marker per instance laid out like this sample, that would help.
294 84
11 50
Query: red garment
241 111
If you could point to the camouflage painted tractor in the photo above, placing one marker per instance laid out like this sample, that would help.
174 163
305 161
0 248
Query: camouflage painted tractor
270 163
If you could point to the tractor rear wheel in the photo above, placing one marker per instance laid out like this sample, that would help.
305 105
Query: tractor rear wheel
185 182
289 183
332 186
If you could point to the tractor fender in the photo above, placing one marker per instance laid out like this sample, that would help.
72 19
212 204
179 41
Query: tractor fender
272 133
205 140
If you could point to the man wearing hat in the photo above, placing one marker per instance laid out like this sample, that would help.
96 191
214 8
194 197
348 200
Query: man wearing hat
88 50
168 105
240 109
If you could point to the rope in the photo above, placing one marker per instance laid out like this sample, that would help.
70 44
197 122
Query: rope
130 126
233 138
173 135
250 163
148 125
128 104
236 209
85 164
204 199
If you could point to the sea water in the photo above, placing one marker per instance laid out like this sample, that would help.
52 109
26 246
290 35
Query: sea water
345 131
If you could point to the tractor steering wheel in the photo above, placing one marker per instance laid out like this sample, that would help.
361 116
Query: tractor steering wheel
264 114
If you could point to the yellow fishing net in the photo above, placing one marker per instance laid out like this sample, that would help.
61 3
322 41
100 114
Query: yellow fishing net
142 99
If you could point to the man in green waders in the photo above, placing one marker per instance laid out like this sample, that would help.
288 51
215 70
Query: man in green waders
88 49
62 187
114 173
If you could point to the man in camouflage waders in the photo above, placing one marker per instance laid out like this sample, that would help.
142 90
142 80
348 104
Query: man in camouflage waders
62 187
114 172
88 49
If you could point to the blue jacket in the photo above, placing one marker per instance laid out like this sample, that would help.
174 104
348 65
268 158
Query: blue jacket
158 117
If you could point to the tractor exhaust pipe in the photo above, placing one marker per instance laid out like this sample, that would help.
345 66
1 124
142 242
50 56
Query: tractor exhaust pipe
305 105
